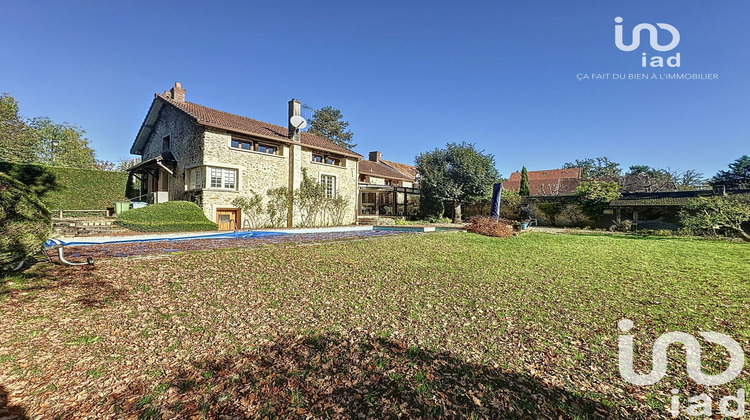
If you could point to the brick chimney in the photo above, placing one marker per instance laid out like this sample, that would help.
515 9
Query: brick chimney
177 93
374 157
295 108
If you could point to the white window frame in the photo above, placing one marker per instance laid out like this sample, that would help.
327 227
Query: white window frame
225 176
195 178
334 185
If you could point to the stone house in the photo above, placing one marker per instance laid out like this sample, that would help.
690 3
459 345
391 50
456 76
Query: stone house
387 189
194 153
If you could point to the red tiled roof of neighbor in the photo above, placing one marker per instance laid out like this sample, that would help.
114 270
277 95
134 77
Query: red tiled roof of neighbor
220 119
570 173
381 170
408 170
545 187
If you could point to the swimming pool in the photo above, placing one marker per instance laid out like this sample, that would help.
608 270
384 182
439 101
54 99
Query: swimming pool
174 236
226 235
415 229
206 242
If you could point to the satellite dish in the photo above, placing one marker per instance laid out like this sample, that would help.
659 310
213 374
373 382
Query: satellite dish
298 122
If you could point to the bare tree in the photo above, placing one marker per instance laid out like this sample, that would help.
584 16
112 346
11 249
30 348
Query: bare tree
123 164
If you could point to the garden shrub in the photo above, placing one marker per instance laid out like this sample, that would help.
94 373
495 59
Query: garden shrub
278 205
252 209
510 205
713 215
173 216
336 209
595 196
37 178
25 223
315 209
131 190
487 226
572 215
552 210
430 207
310 198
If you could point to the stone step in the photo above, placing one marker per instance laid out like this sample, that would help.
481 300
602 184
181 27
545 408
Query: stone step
85 226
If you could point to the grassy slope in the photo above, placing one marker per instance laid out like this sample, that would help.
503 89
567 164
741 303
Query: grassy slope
173 216
540 308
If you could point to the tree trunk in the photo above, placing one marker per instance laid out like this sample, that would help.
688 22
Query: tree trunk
744 235
456 211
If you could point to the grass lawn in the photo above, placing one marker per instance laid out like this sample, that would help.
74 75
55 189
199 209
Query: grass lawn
426 325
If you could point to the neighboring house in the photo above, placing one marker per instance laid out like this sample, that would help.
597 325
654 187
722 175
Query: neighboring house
194 153
644 183
664 206
387 188
551 182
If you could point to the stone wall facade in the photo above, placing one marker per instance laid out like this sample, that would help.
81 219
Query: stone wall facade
346 179
196 147
186 144
256 172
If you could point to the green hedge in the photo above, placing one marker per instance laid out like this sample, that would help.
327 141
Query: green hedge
70 188
24 222
174 216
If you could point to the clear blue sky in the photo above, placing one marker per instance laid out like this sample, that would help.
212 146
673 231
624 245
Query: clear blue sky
409 76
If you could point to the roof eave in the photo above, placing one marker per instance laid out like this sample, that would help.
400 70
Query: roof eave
145 131
278 139
148 124
246 133
338 152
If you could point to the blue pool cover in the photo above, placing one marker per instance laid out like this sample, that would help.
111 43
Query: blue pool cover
227 235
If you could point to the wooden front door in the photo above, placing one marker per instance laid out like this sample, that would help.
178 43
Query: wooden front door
228 219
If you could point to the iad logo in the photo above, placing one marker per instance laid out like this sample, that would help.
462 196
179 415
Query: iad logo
655 61
701 404
693 357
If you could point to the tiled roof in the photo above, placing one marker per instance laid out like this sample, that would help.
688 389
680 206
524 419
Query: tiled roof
574 173
644 183
381 170
676 198
220 119
545 187
408 170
